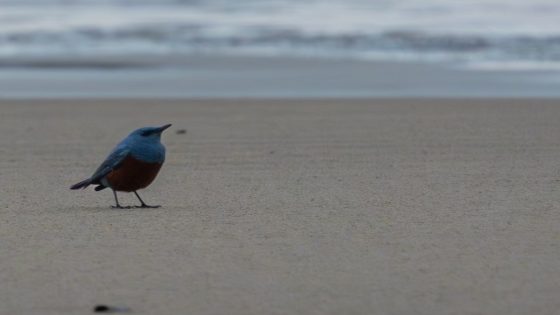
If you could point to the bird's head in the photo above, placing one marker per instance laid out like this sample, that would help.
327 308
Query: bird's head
149 133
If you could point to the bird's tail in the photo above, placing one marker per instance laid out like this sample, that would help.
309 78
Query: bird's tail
83 184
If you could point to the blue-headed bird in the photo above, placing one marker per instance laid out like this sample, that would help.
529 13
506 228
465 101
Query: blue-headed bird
132 165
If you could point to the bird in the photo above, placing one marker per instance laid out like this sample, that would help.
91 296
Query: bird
132 165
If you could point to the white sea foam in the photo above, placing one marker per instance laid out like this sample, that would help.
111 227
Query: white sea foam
485 30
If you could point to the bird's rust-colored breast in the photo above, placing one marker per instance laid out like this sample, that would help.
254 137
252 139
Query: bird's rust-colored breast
132 175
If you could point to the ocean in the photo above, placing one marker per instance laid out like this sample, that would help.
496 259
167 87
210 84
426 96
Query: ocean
484 34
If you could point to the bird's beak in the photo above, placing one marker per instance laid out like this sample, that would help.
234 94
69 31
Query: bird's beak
162 128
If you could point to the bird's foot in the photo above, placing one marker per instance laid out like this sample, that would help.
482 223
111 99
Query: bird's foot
145 206
121 207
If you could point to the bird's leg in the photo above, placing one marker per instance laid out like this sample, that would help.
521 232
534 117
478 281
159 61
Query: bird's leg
143 204
118 206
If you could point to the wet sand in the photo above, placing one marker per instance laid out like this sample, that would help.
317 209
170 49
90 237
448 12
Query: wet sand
219 76
286 207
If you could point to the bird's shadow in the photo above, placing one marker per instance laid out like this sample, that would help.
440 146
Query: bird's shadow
112 209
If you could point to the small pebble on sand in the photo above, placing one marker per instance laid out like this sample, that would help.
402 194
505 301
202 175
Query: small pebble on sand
101 309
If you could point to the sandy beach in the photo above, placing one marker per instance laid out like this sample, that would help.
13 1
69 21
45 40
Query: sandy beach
367 206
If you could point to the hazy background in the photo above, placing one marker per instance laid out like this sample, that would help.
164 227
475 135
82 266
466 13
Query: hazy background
486 35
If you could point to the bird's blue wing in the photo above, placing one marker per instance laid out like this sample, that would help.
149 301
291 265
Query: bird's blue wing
112 162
